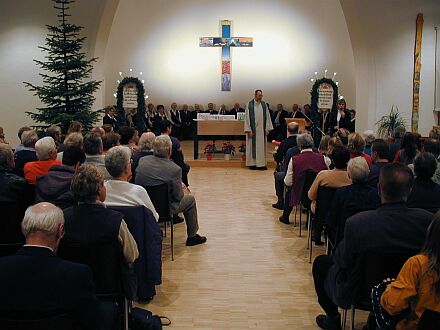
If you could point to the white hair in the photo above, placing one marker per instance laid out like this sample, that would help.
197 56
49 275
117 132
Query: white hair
44 147
369 136
42 217
358 169
116 159
146 141
29 138
162 146
304 140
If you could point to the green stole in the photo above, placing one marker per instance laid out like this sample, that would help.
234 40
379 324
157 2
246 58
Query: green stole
252 123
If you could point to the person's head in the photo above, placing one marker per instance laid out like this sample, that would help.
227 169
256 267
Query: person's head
292 128
304 141
160 109
409 144
22 130
46 148
237 105
425 165
43 224
6 156
118 162
379 150
356 144
74 140
87 185
128 135
196 107
340 157
258 95
369 137
54 132
431 248
358 170
110 140
73 156
398 132
223 107
146 141
323 145
307 108
432 146
185 107
110 110
93 144
434 133
279 107
352 114
98 130
150 107
334 141
174 106
210 106
162 146
295 107
75 126
107 128
165 127
395 182
341 104
29 138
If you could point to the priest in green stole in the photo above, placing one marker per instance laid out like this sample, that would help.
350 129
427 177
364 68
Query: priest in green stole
257 126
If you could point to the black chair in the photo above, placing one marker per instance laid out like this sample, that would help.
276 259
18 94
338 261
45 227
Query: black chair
430 320
372 268
324 201
11 238
107 263
160 199
305 202
57 322
340 226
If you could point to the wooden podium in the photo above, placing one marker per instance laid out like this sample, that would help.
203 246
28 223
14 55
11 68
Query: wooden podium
302 123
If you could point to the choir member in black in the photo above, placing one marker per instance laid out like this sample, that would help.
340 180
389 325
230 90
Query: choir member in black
279 124
176 121
160 115
340 118
186 118
211 109
296 112
110 118
149 116
236 109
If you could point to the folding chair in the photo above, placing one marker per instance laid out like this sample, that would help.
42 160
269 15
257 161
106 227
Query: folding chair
305 202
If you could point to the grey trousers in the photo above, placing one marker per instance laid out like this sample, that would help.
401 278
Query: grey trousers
189 208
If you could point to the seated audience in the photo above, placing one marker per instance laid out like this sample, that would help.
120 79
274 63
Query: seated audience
398 134
54 132
417 286
119 191
306 160
336 178
425 193
433 146
146 149
3 137
434 133
153 171
333 142
35 283
379 156
27 152
356 146
94 153
392 225
90 220
358 196
54 186
20 133
75 127
98 130
47 157
325 150
110 140
12 187
408 149
129 138
72 140
369 137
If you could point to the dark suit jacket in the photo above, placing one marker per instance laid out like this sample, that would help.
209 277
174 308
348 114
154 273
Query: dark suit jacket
343 122
285 145
425 194
234 111
297 114
107 120
389 226
283 115
36 283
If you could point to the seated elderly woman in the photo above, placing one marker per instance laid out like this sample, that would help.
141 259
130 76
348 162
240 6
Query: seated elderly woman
357 196
26 153
356 146
336 178
120 192
145 145
425 193
369 137
90 220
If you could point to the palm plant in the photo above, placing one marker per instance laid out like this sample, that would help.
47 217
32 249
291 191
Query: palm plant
388 123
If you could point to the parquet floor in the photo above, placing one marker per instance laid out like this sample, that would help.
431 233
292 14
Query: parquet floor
253 273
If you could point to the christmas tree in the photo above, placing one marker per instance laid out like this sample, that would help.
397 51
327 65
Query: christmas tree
65 92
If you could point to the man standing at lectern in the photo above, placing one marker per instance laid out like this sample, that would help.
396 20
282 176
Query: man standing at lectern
257 126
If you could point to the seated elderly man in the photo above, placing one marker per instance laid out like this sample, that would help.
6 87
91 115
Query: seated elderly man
153 171
27 151
391 226
54 186
47 157
305 161
425 193
336 178
358 196
90 220
146 149
35 283
54 132
110 140
94 153
379 155
12 187
120 192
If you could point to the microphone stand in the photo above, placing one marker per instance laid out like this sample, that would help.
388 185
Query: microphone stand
313 124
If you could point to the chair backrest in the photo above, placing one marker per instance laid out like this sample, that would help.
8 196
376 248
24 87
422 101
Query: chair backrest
160 199
324 201
430 320
309 177
62 321
340 226
11 215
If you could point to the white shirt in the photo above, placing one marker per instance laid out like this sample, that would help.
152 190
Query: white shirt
288 179
122 193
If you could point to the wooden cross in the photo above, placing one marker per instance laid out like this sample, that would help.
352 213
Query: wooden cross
226 42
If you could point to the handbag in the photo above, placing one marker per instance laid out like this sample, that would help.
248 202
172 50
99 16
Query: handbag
142 319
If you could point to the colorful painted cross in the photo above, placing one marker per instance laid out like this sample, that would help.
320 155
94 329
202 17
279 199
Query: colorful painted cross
226 42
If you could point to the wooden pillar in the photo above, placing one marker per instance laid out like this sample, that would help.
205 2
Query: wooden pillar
416 76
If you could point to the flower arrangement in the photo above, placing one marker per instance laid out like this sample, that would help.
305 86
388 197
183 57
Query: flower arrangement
228 148
210 148
242 147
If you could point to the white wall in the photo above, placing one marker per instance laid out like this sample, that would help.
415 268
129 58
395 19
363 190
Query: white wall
292 40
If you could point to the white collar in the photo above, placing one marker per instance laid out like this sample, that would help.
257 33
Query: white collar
40 246
307 150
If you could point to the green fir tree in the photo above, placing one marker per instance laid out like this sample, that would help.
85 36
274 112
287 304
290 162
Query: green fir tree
67 92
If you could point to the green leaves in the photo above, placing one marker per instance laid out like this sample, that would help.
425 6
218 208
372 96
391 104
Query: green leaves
387 124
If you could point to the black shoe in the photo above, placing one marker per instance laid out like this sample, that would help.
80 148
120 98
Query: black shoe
278 206
327 323
195 240
263 168
283 220
177 219
253 168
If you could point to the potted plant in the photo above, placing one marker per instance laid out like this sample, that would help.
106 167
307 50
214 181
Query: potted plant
209 150
388 123
242 149
228 149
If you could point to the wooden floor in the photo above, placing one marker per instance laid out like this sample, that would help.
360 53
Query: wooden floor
253 273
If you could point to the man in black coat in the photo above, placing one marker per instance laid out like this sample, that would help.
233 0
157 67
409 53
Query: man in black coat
236 109
35 283
279 122
391 226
